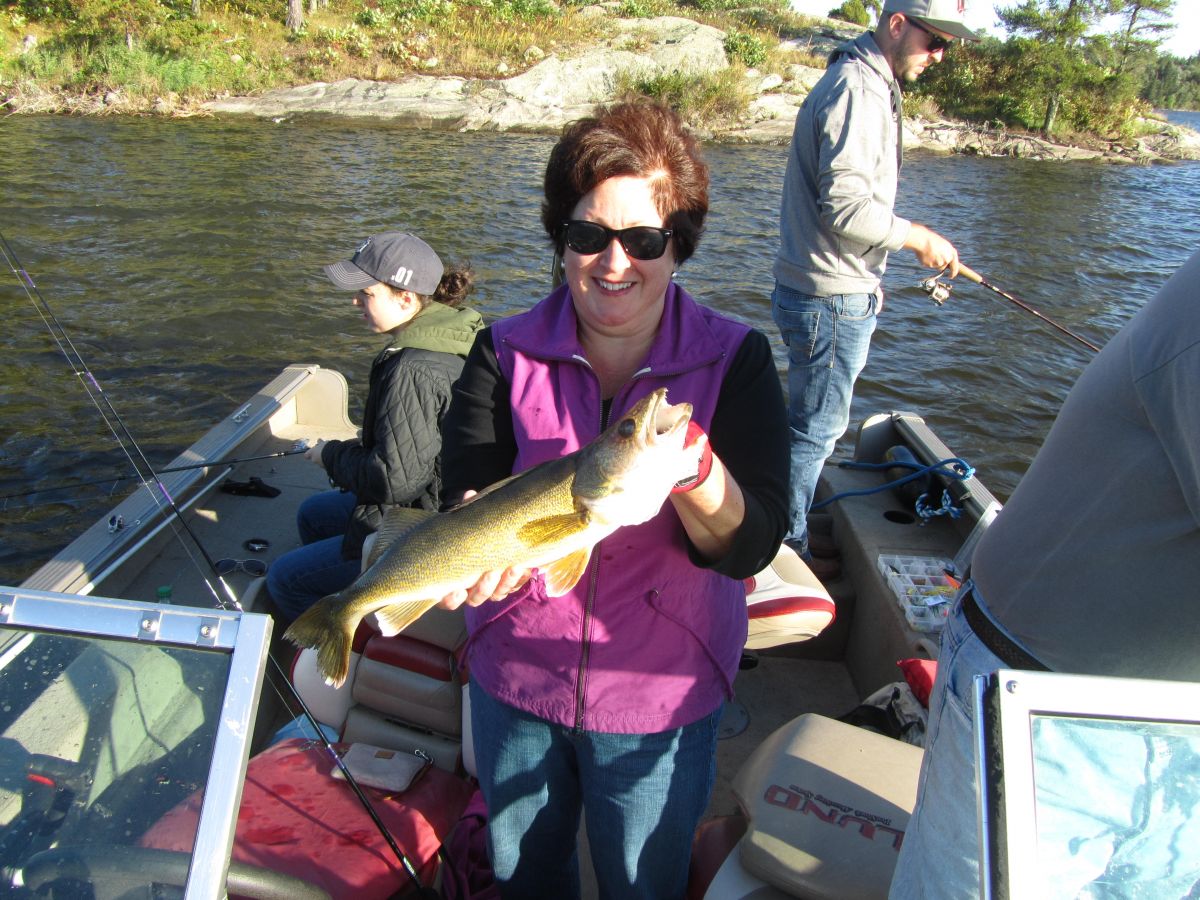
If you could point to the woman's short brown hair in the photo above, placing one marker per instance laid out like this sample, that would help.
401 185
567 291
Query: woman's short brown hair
641 139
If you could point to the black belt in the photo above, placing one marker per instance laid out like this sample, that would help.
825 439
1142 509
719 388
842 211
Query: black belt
996 640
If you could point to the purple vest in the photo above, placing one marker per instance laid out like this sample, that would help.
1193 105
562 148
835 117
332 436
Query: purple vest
647 641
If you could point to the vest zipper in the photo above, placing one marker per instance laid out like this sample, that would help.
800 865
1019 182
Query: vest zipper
585 638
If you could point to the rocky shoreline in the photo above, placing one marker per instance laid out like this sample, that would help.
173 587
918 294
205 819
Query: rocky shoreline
554 91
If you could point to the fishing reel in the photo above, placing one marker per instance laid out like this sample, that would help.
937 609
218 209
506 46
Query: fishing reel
938 291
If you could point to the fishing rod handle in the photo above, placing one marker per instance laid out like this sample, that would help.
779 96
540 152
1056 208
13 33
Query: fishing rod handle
970 274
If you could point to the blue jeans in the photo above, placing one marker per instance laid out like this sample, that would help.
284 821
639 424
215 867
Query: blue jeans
301 577
1139 833
827 340
642 795
940 854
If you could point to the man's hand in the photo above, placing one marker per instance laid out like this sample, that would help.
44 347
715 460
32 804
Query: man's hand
932 250
313 453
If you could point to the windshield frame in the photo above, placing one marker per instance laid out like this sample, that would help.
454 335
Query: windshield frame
243 637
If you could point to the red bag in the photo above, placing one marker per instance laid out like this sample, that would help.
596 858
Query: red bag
919 673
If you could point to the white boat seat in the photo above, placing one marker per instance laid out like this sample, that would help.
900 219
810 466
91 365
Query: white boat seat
786 603
826 805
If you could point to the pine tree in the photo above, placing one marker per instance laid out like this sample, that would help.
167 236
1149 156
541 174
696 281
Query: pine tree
1058 61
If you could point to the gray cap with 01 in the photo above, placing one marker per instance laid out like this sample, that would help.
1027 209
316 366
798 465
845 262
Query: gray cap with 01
394 257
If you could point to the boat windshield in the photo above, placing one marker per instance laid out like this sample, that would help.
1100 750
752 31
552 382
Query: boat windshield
105 727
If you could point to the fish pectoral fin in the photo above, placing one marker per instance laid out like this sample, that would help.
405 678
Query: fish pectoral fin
395 618
563 574
397 521
551 529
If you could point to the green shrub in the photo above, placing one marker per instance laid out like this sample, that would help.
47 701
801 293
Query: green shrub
851 11
636 9
748 49
349 39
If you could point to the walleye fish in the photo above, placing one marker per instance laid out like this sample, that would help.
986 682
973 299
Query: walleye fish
548 517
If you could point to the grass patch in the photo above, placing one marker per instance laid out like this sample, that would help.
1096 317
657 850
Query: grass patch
700 99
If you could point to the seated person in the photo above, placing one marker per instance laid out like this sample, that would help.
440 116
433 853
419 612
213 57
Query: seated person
404 292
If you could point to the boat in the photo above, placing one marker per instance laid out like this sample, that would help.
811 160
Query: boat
124 761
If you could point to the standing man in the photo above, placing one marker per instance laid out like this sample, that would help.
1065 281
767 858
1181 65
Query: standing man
837 225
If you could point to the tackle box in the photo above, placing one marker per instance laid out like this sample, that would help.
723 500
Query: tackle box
923 587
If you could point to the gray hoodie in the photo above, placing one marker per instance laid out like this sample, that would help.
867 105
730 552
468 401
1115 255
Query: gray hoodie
836 224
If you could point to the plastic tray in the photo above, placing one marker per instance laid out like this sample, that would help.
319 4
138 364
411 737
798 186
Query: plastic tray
923 588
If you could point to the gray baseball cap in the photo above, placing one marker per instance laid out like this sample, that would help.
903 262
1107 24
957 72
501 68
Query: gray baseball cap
402 260
944 15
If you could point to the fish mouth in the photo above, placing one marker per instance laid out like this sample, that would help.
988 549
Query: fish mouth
665 420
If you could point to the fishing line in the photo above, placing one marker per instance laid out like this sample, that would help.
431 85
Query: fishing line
120 431
122 434
201 465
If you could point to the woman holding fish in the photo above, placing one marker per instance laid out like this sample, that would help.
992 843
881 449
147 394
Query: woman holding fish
597 685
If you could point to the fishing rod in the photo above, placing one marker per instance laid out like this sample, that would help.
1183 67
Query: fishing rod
120 431
939 292
213 463
128 443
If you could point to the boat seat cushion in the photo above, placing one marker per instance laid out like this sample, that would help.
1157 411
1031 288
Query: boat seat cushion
786 603
828 804
298 819
410 680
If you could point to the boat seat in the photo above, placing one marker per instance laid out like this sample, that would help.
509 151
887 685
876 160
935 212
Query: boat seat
786 603
825 807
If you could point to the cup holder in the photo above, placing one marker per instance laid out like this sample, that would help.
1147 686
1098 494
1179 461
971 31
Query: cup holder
900 517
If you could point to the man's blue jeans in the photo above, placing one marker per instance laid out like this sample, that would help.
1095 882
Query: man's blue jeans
1094 821
642 794
939 859
827 340
301 577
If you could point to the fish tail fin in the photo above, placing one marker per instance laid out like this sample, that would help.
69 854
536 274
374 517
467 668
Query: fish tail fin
321 628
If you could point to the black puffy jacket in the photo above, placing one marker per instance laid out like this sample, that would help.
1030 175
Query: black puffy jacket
396 460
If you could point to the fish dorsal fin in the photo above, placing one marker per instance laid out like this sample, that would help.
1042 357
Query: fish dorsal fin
395 618
563 574
550 529
398 520
491 488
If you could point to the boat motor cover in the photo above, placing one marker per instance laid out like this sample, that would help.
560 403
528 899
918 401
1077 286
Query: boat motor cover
297 818
828 804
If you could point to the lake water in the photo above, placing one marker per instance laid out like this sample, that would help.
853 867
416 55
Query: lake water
183 259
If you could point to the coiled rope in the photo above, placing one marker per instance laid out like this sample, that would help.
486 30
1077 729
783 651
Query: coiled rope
953 467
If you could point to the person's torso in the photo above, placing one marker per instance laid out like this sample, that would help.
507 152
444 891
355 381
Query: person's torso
840 184
647 640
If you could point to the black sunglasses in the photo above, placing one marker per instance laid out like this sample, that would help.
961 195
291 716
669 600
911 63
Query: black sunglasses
936 41
640 242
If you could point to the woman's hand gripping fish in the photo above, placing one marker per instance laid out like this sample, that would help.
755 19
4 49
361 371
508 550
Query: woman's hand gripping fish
548 517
